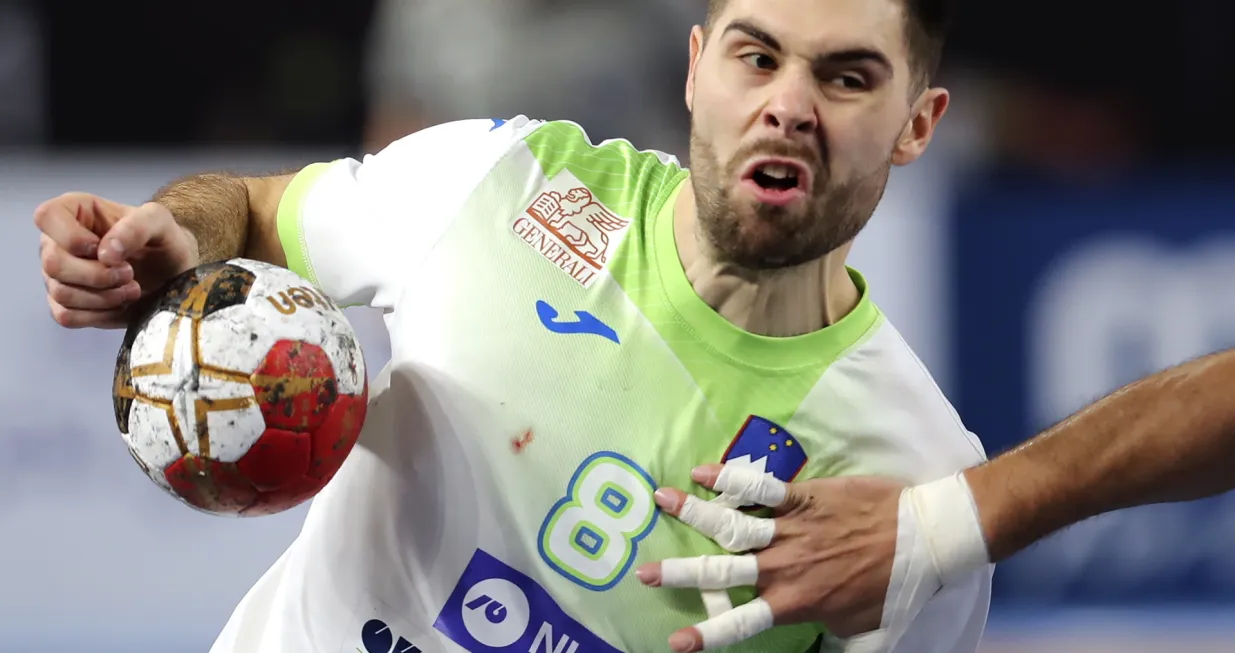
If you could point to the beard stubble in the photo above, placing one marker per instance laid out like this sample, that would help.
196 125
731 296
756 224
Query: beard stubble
759 236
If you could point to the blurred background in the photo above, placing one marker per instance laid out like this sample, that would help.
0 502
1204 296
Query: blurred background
1070 230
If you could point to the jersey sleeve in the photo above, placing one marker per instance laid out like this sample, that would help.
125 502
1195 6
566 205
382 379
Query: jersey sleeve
358 229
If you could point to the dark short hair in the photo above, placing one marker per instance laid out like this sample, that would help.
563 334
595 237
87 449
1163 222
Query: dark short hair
926 28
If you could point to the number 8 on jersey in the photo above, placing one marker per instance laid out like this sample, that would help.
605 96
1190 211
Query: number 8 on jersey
591 535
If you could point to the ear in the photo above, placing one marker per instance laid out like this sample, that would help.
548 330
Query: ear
696 52
918 132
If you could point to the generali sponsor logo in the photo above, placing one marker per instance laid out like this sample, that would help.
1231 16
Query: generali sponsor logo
571 228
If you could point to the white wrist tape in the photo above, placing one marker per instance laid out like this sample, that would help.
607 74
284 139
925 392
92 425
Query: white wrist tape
938 541
948 519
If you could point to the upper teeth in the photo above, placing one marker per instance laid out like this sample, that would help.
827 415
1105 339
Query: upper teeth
778 171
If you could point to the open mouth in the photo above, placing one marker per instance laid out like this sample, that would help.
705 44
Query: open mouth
777 181
777 176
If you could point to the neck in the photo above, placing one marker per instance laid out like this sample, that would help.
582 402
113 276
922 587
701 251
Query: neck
778 303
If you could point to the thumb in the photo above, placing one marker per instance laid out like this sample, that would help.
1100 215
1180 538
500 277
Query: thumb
139 227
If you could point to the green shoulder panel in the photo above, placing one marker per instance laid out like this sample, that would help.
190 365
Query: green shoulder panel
631 182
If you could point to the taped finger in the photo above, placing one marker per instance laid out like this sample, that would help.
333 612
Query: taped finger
715 602
710 572
736 625
751 486
732 530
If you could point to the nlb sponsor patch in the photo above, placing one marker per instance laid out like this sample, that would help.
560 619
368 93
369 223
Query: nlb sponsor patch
496 609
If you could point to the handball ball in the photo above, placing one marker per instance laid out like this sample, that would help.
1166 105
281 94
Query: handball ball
240 389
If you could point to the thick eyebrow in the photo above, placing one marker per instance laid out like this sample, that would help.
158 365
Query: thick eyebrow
749 29
852 56
821 62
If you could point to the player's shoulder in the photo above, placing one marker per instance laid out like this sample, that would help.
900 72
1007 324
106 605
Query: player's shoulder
560 143
553 142
459 144
467 146
632 182
615 173
913 411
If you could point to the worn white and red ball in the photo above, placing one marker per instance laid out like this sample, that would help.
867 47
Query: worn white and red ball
240 389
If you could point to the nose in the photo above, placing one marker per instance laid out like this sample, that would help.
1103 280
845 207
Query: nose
791 110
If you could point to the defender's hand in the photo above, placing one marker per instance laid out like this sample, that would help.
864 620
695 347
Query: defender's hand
827 556
99 256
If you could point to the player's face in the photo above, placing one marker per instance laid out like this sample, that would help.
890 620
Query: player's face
798 110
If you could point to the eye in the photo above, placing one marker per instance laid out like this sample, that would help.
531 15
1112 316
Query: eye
850 82
759 60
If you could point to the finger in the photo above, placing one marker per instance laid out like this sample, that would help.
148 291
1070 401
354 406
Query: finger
80 319
733 530
736 625
746 486
702 572
79 298
64 267
716 602
58 220
135 230
751 485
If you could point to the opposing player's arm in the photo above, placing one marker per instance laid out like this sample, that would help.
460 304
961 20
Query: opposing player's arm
1169 437
1166 438
230 216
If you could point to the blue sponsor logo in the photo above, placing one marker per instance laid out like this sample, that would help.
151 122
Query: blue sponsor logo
377 637
584 322
497 124
496 608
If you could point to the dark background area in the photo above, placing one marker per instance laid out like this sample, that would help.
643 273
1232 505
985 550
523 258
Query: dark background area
1121 80
136 74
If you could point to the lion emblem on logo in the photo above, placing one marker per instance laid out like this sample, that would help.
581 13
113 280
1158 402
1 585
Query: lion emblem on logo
579 220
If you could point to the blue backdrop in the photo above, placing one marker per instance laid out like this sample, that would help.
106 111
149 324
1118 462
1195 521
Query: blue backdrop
1062 294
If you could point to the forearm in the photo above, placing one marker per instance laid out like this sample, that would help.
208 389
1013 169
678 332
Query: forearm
228 216
1169 437
213 208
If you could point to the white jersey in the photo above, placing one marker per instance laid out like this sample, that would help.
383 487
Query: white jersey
551 367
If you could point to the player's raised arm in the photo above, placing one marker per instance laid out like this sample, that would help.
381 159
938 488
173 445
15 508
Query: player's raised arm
229 216
99 257
1168 437
356 229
